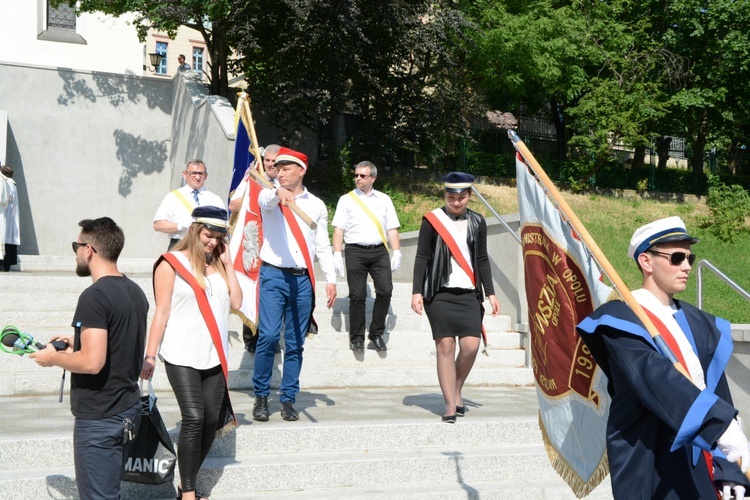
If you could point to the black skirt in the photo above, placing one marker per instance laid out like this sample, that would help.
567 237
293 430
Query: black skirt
455 312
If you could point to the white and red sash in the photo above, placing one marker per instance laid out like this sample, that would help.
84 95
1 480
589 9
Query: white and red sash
458 247
206 312
291 219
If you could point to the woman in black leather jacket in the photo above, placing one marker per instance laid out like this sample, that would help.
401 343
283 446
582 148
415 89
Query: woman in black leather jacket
451 276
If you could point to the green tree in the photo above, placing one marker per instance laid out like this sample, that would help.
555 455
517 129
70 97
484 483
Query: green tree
395 68
713 38
624 98
532 58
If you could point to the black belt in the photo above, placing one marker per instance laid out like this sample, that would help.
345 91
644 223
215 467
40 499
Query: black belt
367 247
295 271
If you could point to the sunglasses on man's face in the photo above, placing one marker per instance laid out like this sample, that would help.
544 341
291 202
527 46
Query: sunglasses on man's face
676 258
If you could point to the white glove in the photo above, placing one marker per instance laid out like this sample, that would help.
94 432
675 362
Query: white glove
395 260
726 492
733 444
338 264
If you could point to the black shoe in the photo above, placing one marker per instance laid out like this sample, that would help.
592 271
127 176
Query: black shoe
460 411
288 412
260 409
379 344
250 349
449 419
357 346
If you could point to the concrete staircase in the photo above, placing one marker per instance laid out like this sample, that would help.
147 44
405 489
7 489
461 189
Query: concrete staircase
369 422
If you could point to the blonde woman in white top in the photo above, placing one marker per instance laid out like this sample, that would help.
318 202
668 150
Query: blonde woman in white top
195 287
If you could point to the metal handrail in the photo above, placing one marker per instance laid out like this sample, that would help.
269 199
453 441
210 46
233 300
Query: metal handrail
489 207
704 263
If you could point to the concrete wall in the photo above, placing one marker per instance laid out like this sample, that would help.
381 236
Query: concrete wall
86 144
3 135
202 127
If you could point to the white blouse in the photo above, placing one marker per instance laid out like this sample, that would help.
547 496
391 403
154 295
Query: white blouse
187 341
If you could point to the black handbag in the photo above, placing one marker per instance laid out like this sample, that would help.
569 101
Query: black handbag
151 457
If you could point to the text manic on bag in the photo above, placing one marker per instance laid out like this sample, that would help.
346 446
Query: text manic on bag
147 465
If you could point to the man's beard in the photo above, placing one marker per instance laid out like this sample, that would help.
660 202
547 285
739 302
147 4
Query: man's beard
82 269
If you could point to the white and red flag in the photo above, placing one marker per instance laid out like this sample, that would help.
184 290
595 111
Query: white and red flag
247 227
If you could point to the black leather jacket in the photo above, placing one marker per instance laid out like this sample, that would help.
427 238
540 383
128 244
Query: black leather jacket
432 266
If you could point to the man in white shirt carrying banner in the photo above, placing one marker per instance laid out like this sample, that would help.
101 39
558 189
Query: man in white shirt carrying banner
638 416
287 279
366 220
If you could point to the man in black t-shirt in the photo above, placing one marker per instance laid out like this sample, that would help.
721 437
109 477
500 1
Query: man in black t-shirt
104 355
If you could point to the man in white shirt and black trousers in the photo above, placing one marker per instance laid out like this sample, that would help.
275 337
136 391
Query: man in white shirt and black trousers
287 280
366 220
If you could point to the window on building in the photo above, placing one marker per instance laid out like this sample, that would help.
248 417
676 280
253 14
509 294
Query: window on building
161 48
59 23
62 16
198 59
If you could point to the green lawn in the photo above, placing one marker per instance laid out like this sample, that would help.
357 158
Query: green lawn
611 222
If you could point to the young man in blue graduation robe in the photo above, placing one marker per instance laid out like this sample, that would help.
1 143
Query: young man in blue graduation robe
667 436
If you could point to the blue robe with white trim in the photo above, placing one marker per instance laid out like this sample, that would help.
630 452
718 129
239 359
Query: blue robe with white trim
659 420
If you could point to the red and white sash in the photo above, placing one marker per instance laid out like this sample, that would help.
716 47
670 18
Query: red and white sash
456 244
458 247
206 312
291 219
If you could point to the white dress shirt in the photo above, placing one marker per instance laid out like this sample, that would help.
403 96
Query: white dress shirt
358 227
173 210
666 315
279 246
187 341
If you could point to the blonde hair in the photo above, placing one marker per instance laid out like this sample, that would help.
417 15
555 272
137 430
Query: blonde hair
196 255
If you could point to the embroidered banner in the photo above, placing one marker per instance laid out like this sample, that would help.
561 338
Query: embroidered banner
563 286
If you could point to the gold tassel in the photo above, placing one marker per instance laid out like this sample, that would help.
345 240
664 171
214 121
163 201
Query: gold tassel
577 485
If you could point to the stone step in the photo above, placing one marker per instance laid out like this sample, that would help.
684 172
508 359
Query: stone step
369 443
336 319
14 285
47 381
420 430
333 340
547 488
435 473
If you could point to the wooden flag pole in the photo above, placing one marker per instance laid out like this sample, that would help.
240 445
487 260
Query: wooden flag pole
598 255
257 177
250 127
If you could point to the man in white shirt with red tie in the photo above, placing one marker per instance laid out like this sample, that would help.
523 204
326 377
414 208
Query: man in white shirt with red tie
287 280
366 220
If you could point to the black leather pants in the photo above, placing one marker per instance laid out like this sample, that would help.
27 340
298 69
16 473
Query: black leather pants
199 394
